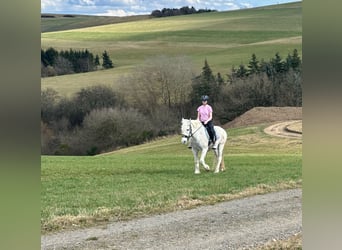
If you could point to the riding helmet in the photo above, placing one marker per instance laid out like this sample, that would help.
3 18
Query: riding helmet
205 98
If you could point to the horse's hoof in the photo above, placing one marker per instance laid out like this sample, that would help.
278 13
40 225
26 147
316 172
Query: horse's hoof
197 172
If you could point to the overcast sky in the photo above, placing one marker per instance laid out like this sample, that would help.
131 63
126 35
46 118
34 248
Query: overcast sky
138 7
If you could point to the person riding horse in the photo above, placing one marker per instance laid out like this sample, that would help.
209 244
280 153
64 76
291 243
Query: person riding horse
194 131
205 115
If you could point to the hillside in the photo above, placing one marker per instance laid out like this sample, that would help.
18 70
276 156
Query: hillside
260 115
225 39
58 22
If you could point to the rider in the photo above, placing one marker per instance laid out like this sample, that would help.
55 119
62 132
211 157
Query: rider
205 115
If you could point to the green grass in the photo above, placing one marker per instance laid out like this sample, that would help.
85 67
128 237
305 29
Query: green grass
223 38
60 22
159 177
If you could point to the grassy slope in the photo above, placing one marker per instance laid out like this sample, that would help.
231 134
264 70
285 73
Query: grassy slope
223 38
158 177
62 22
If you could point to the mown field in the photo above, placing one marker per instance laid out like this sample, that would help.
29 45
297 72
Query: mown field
159 177
57 22
225 39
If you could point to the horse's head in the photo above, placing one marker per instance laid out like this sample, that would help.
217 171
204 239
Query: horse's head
186 130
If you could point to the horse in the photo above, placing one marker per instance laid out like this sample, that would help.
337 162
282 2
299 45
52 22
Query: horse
194 130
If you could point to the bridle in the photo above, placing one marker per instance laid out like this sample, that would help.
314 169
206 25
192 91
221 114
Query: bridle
190 131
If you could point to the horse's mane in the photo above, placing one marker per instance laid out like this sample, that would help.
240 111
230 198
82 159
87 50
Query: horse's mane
196 123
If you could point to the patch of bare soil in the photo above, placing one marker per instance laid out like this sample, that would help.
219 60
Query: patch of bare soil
260 115
289 129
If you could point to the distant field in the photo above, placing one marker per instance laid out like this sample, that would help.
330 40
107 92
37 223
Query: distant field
223 38
159 176
57 22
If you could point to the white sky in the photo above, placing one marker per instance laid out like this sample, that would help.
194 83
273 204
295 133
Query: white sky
137 7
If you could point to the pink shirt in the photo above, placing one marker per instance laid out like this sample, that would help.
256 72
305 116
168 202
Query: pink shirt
204 111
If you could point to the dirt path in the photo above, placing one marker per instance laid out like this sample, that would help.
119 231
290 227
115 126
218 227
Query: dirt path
238 224
291 129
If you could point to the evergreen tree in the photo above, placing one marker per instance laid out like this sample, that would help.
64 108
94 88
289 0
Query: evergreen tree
50 56
219 79
277 63
43 59
267 68
295 60
253 65
97 60
106 61
206 84
242 71
207 74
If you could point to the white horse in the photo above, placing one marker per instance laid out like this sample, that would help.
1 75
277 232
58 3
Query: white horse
194 130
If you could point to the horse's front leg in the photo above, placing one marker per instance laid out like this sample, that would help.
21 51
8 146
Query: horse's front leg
195 153
202 159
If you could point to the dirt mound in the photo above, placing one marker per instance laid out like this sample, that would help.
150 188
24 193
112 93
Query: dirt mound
259 115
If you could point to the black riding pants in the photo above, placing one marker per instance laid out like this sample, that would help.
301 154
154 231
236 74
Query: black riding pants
210 128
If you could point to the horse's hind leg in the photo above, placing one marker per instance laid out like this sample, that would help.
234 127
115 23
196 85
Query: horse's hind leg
219 159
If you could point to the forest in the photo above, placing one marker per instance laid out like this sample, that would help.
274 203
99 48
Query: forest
186 10
54 63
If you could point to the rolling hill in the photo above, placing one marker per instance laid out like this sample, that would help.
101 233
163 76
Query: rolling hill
58 22
225 39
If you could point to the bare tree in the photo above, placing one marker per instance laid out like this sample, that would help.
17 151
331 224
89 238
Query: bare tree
63 66
160 81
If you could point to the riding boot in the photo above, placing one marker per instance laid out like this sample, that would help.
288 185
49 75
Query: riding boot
210 142
216 143
217 140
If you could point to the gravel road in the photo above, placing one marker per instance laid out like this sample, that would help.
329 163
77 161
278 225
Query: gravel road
238 224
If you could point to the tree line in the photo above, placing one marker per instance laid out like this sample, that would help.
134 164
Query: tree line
71 61
151 101
186 10
277 82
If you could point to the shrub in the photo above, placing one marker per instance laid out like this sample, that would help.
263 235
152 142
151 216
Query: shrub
109 128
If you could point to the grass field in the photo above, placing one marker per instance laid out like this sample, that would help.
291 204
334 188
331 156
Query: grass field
57 22
223 38
159 177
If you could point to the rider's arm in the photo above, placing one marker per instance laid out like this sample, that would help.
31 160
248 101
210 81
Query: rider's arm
210 117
